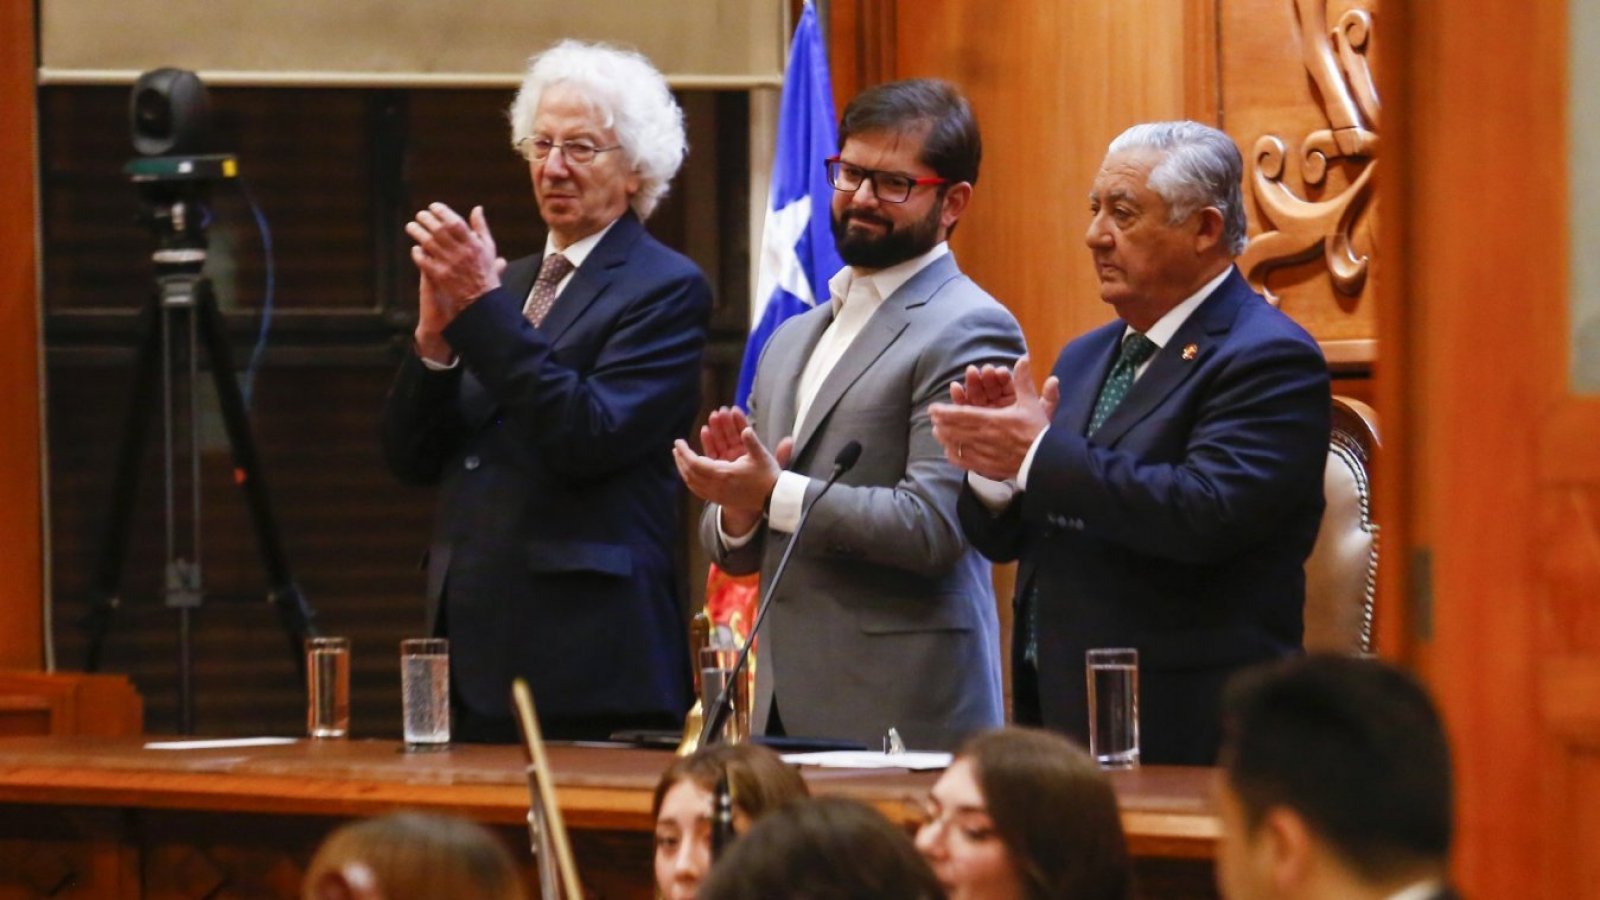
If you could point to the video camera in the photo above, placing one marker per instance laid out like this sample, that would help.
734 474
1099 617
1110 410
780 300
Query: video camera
169 114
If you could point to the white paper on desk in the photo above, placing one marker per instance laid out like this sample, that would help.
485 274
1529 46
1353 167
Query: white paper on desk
219 743
917 760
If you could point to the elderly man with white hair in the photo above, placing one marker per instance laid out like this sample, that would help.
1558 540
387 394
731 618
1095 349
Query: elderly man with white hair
1164 488
541 397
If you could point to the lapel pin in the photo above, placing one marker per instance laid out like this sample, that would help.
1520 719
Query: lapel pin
1190 351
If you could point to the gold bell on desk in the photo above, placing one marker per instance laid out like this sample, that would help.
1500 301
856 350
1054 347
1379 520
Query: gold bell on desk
715 652
699 639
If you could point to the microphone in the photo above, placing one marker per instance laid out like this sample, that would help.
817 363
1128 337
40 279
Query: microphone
717 716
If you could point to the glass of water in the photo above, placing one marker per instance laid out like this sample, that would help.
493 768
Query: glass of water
425 685
716 668
1113 675
328 687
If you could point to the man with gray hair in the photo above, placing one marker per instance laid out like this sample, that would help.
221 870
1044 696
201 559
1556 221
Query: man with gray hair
1164 488
541 396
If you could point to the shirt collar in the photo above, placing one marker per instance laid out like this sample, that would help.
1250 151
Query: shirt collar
579 250
1167 326
886 280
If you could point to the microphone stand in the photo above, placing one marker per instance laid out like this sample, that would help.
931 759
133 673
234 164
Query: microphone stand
717 716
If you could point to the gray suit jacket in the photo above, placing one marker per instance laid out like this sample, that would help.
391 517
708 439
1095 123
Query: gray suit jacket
886 616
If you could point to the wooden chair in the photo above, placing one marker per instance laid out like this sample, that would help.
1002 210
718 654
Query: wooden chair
1342 571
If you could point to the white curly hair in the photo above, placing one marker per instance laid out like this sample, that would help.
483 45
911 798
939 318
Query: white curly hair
632 99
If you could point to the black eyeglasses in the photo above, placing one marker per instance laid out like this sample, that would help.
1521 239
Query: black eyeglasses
890 187
577 153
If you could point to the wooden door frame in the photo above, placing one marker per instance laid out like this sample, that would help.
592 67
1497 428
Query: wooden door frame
21 486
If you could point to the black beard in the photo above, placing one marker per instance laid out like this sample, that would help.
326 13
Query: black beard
895 245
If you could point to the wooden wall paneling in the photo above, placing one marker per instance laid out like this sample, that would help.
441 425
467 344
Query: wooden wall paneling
21 504
1051 84
1398 384
861 45
1496 481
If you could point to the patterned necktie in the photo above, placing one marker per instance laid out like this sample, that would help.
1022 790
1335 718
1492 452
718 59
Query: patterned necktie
554 268
1136 348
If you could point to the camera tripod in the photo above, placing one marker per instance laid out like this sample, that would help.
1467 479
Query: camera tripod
181 320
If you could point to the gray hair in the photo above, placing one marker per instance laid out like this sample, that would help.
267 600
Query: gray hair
632 99
1200 167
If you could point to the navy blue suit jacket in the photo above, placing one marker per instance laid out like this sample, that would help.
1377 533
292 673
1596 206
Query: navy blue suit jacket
559 509
1180 528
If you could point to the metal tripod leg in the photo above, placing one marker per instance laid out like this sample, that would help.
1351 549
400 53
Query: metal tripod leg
188 297
105 586
294 611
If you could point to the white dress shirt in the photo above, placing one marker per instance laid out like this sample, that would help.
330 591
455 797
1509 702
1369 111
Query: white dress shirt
855 295
996 495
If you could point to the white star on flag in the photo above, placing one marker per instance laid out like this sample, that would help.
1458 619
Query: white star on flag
780 260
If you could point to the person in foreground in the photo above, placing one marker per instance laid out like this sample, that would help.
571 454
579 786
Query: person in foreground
1023 814
886 617
412 856
541 397
1163 489
824 849
1335 783
758 782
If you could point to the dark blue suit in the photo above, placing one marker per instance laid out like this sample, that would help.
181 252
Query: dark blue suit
559 512
1182 526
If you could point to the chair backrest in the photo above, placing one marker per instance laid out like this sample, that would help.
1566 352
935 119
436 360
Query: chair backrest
1342 570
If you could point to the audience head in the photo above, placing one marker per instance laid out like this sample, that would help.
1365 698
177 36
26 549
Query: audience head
1023 813
824 849
758 782
1336 771
412 856
1166 215
892 135
596 96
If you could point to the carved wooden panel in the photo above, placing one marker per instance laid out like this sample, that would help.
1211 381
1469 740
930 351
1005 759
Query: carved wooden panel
1298 97
66 854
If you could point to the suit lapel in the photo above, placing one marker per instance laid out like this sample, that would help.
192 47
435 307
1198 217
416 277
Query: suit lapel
1170 368
780 398
592 278
1078 394
477 406
882 330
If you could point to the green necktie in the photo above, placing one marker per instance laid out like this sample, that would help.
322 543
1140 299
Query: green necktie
1136 348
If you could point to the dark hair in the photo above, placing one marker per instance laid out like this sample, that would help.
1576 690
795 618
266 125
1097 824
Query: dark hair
951 145
1355 747
758 780
414 856
824 849
1055 812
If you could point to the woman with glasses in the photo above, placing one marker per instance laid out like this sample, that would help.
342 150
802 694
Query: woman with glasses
1023 813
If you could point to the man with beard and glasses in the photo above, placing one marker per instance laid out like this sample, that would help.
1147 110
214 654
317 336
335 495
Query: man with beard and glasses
886 617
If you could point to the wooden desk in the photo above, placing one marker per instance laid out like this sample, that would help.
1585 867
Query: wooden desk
104 817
